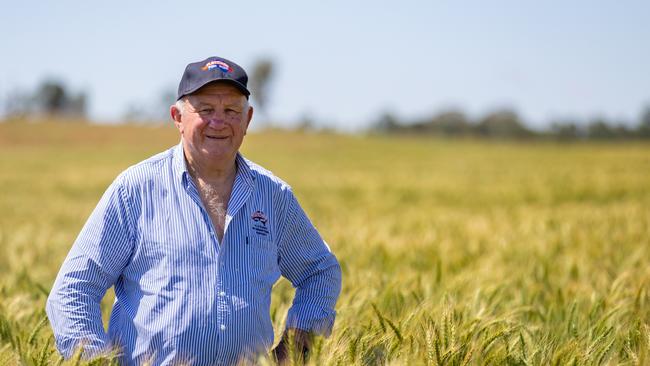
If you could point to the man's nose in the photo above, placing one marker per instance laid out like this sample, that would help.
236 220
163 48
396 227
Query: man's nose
217 118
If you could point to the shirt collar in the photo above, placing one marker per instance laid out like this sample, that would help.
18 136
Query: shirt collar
179 164
244 172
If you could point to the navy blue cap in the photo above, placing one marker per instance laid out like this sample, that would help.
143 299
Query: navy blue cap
198 74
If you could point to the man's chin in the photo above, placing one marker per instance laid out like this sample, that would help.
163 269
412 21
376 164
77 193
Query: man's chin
218 152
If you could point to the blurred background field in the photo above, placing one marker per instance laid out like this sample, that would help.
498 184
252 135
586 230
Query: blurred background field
460 251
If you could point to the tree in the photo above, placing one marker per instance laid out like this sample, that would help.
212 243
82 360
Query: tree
503 124
644 125
599 129
155 111
166 98
260 81
51 97
387 123
17 104
452 123
565 130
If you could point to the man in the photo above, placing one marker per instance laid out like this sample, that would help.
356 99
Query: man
193 240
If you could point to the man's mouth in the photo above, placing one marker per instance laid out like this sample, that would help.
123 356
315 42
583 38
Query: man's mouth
214 137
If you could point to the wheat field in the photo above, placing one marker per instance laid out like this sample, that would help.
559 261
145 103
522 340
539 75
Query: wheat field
458 252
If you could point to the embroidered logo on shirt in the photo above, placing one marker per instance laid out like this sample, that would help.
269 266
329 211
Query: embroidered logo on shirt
259 223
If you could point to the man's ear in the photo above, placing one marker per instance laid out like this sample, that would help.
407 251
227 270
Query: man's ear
176 115
249 117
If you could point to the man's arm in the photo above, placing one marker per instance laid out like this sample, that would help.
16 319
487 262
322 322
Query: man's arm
306 260
93 264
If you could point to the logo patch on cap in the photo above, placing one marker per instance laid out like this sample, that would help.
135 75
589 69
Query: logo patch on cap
214 64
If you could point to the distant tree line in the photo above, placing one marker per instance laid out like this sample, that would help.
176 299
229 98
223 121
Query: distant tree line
52 98
506 124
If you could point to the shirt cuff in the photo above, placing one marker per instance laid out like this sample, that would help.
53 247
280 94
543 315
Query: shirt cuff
314 320
68 347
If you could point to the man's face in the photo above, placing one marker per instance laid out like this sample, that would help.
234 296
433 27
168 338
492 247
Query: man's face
213 122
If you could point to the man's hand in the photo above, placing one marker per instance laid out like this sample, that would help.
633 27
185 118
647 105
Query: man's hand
293 347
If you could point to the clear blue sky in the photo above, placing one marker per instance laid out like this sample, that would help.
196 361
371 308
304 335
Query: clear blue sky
345 62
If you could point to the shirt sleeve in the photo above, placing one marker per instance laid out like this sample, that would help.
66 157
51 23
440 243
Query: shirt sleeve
306 261
93 264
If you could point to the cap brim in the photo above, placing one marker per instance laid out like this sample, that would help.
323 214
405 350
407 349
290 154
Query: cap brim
232 82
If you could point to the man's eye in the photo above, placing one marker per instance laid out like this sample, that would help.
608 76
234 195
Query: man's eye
206 111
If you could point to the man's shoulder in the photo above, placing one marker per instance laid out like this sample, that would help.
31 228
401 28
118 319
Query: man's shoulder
266 177
148 169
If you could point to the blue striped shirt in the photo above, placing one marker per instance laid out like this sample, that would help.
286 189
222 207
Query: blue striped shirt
181 296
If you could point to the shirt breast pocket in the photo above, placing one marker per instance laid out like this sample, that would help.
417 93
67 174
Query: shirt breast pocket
178 250
262 259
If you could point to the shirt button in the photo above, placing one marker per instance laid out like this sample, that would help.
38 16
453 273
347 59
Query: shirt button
222 327
222 293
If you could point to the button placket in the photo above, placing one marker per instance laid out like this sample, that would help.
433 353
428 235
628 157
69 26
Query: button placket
223 306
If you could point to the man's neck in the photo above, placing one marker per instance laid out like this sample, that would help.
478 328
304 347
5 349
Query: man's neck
213 177
214 185
212 174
